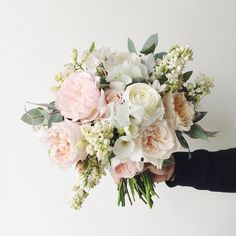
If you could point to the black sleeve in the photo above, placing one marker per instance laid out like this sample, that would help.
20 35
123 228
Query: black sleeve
214 171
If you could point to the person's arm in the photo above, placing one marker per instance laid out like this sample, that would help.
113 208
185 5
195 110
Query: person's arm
214 171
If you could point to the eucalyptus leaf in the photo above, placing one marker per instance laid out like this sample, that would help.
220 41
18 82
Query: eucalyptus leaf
199 115
55 118
33 117
211 134
131 46
160 55
92 47
197 132
150 44
187 75
50 105
183 142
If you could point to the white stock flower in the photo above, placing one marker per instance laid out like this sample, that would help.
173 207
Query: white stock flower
143 96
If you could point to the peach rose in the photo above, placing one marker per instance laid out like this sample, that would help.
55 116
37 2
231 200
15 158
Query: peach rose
179 110
126 169
157 141
64 141
112 95
79 98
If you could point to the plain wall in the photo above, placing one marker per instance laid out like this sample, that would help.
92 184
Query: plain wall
35 42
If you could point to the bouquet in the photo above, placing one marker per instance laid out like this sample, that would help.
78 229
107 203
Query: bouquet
116 111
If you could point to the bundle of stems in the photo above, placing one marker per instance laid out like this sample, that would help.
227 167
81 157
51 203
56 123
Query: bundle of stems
141 184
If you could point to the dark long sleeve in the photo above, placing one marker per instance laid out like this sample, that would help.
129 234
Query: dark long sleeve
214 171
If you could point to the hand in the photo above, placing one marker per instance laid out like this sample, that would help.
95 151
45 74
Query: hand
163 174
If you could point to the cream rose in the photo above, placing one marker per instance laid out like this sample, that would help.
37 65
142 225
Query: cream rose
179 110
144 100
157 141
65 143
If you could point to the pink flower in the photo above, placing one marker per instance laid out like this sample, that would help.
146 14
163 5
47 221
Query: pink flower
127 169
158 141
65 143
112 95
79 98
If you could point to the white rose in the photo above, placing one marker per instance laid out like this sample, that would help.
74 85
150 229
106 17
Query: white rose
143 97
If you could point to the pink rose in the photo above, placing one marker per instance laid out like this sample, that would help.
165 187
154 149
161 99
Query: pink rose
79 98
127 169
112 95
65 143
158 141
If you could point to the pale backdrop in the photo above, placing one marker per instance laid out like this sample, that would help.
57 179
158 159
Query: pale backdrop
35 41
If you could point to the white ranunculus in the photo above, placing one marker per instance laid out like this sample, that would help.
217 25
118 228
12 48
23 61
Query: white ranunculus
141 95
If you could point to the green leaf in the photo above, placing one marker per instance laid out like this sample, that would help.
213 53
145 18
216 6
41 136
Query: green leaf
160 55
33 117
150 45
197 132
50 105
199 115
55 118
187 75
131 46
92 47
211 134
183 142
168 162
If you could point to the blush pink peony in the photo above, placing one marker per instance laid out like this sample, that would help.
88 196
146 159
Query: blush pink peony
65 143
79 98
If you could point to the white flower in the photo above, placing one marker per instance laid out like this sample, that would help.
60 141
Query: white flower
149 61
126 149
126 69
132 131
92 60
143 97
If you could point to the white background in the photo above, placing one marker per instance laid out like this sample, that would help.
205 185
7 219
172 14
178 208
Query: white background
35 42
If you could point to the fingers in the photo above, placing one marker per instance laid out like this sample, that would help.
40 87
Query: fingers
151 168
158 178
